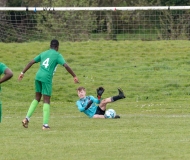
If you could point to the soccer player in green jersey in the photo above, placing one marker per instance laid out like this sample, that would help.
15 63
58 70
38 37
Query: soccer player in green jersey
7 75
43 81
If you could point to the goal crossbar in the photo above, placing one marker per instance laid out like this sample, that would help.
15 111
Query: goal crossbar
93 8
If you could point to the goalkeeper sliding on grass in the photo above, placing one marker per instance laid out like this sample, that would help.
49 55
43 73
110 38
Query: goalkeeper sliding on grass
7 75
87 104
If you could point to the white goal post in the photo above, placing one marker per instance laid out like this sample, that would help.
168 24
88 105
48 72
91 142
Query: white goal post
94 8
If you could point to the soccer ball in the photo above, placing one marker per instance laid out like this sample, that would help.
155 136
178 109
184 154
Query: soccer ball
110 113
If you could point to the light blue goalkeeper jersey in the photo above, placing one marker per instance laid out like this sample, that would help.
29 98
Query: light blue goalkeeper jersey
82 103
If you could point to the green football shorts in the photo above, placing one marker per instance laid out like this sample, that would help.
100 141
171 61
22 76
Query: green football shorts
43 88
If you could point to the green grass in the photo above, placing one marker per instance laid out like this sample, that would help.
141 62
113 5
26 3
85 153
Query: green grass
155 115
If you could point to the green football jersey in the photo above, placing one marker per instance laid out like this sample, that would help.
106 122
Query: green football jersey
2 70
48 63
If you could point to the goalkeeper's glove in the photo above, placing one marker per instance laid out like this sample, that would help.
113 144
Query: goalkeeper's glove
100 91
89 104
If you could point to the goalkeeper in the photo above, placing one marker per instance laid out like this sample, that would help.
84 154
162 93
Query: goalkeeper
7 75
87 104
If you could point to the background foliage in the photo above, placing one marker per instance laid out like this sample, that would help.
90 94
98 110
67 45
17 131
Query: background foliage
82 25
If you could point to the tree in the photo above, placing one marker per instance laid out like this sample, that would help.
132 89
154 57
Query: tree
70 25
3 3
175 2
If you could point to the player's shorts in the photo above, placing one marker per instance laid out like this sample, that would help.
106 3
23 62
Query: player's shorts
43 88
99 111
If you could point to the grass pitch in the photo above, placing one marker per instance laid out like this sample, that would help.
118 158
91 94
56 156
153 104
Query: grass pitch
155 116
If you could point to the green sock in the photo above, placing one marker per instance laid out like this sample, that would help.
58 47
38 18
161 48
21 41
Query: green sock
0 112
32 108
46 113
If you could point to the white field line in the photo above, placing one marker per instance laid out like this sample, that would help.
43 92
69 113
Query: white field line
123 116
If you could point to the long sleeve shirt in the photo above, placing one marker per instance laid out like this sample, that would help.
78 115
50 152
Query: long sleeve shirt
82 103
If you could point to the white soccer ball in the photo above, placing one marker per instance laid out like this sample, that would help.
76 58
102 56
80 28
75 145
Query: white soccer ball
110 113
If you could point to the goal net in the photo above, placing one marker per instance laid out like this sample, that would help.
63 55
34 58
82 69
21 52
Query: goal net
22 24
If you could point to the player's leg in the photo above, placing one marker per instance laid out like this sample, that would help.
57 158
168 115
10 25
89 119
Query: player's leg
46 112
46 91
33 105
121 95
105 101
99 113
98 116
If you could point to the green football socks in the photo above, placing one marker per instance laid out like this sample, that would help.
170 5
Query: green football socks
46 113
32 108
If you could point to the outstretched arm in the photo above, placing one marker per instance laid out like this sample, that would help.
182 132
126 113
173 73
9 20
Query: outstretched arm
89 104
71 72
83 108
80 107
7 75
100 91
25 69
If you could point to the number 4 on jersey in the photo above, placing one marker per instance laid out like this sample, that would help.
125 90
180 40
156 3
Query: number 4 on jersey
46 63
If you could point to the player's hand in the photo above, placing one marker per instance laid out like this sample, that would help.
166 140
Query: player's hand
76 80
20 77
100 91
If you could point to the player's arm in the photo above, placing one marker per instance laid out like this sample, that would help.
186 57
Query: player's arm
80 107
26 68
83 108
7 75
100 91
71 72
92 99
88 104
95 100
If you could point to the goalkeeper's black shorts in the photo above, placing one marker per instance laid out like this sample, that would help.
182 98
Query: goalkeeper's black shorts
99 111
